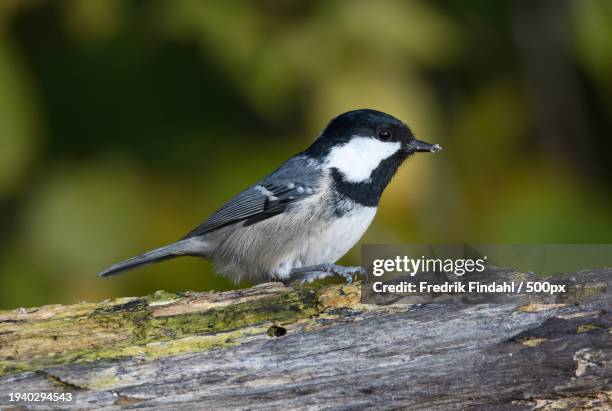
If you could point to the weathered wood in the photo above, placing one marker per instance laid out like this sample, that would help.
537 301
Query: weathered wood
273 347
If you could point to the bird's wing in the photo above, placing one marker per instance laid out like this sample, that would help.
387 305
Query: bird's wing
255 204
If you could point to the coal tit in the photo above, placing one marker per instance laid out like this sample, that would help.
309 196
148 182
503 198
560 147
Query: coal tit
298 221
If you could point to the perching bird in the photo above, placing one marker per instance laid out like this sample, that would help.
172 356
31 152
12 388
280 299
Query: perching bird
298 221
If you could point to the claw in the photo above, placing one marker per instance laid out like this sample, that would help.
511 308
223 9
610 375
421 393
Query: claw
317 272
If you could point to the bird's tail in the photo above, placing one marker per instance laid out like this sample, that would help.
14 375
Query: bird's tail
154 256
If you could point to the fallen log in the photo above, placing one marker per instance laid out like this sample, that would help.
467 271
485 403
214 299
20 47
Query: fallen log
275 347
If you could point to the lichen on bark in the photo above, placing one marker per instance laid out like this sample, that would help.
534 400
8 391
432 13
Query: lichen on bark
151 326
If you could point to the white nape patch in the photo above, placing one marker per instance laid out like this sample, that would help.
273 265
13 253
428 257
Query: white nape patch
360 156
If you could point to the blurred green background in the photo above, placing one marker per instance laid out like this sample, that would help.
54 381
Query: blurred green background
123 124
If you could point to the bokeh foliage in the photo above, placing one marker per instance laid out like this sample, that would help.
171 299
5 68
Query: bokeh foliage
124 123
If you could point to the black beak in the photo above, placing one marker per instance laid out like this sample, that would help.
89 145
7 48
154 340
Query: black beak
417 146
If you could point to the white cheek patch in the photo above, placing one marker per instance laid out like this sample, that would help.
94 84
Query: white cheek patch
360 156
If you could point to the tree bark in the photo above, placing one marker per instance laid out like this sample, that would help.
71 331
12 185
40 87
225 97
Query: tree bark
274 347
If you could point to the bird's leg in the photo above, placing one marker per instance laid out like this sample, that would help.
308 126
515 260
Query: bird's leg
317 272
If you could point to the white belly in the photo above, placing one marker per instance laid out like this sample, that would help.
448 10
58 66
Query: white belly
330 243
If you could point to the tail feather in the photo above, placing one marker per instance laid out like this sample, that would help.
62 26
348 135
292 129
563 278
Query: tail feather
154 256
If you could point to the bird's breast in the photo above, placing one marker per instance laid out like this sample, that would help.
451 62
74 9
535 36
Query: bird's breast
337 236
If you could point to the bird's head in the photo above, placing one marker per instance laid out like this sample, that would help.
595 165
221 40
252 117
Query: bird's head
360 143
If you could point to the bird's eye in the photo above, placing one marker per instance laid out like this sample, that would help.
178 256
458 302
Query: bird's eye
385 134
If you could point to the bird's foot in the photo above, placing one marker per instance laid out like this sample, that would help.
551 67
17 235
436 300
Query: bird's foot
318 272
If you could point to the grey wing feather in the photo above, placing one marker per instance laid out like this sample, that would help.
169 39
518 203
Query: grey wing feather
270 197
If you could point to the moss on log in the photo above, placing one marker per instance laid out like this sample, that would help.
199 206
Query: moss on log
149 327
275 347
